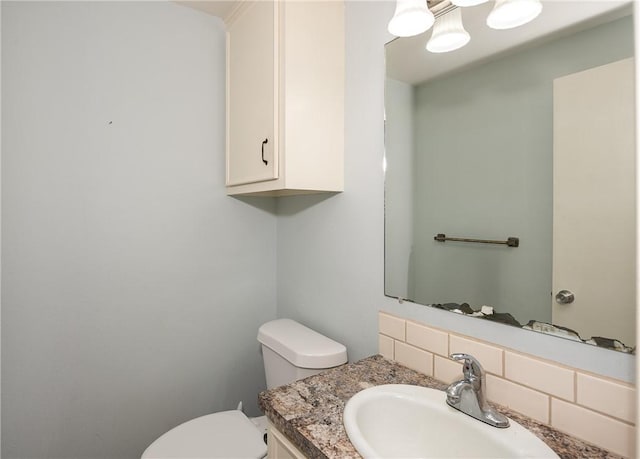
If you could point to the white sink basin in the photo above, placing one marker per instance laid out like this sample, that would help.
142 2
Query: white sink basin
401 421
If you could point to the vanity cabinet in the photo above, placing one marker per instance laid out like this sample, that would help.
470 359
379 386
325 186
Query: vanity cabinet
285 98
279 446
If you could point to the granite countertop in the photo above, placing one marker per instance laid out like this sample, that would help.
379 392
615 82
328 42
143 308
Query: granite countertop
309 412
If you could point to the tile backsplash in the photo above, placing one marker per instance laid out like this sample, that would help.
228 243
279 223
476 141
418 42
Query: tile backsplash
593 408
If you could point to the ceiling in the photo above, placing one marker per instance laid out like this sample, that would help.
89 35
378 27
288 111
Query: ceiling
220 8
409 61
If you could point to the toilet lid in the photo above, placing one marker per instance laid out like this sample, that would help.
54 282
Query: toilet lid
228 434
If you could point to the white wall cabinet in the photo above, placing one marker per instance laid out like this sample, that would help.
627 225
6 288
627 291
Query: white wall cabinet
280 447
285 98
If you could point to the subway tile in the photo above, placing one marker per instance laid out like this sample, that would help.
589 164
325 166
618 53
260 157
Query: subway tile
490 357
414 358
606 432
446 370
605 409
428 338
540 375
519 398
385 346
391 326
606 396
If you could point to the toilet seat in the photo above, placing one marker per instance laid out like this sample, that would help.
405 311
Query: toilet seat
227 434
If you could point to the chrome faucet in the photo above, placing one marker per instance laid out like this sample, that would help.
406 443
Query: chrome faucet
468 394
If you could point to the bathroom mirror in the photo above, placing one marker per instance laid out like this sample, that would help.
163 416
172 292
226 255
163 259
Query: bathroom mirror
524 140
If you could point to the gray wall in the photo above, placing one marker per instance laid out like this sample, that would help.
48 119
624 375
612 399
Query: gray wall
483 167
132 287
398 187
330 250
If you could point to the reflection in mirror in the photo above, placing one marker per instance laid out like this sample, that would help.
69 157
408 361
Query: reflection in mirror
524 133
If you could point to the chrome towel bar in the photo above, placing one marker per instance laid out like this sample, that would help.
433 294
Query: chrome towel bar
510 242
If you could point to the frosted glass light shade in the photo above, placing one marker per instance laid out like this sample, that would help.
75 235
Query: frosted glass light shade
507 14
412 17
448 33
468 2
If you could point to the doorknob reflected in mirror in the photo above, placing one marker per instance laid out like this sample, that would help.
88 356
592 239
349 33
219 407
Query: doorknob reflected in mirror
564 297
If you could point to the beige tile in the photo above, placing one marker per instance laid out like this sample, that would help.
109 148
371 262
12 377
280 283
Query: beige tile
385 346
490 357
428 338
446 370
414 358
608 397
521 399
539 375
391 326
606 432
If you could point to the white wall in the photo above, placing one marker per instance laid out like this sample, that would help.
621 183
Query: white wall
330 252
132 287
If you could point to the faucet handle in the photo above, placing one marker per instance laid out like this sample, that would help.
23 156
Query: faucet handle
471 368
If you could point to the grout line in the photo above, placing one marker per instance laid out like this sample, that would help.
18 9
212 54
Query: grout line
448 345
433 364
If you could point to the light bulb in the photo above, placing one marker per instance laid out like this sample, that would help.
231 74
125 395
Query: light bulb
412 17
507 14
448 33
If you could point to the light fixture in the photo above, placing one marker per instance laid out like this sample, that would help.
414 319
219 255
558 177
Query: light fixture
507 14
468 2
412 17
448 33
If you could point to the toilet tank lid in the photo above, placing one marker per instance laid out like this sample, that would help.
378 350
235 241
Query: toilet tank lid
300 345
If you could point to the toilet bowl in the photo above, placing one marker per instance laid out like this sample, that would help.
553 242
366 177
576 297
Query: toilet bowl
290 352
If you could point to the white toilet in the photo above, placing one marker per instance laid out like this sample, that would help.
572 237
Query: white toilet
290 352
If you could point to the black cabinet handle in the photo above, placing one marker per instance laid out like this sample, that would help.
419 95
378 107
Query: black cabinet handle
264 142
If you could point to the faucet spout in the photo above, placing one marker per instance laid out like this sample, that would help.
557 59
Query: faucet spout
454 391
468 394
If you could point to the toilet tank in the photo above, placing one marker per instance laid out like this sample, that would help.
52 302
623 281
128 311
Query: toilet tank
292 351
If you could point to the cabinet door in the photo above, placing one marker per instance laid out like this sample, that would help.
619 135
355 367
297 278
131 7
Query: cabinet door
252 109
279 447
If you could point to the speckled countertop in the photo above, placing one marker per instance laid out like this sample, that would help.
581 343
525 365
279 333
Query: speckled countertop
309 412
